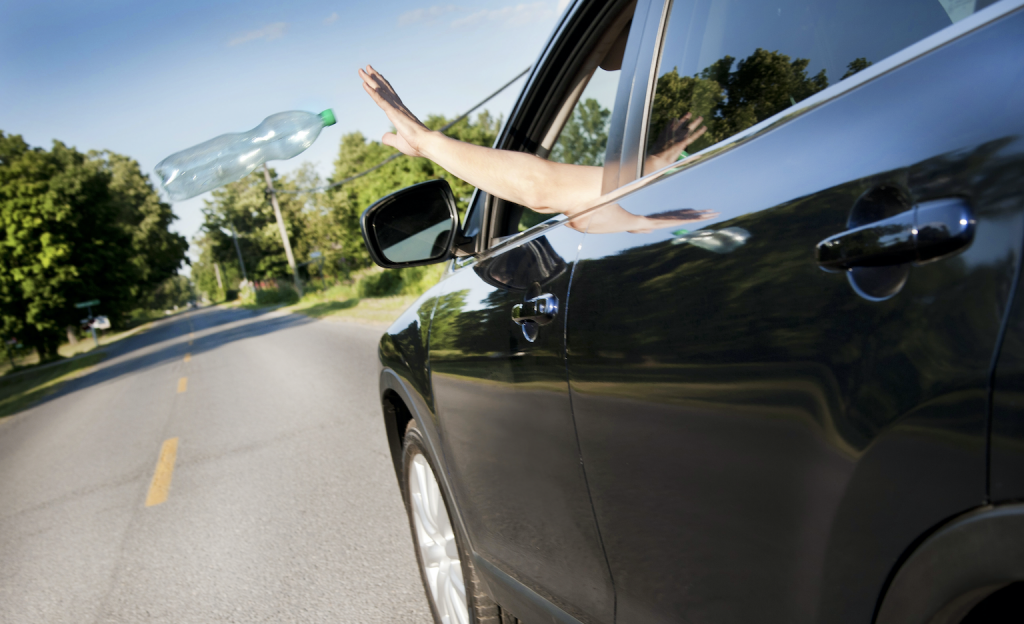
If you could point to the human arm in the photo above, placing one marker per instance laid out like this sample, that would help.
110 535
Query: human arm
544 186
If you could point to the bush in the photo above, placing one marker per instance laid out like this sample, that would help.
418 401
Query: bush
247 294
285 295
391 282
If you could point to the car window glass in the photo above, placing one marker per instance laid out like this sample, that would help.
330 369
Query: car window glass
585 135
734 63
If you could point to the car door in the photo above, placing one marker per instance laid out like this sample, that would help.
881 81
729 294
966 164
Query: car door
506 425
497 360
763 439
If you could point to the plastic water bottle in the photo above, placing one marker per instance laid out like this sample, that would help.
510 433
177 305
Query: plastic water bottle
231 157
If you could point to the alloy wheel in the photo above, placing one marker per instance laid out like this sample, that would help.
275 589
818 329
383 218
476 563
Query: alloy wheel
439 554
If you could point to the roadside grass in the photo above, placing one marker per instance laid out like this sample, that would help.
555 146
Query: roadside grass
372 296
67 350
20 390
381 311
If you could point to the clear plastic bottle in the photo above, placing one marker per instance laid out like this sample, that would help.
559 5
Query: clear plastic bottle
231 157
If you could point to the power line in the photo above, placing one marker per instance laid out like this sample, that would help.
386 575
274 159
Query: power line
398 154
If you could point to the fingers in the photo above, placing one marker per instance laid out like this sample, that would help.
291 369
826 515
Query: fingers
382 91
373 94
368 78
377 78
376 74
377 82
694 136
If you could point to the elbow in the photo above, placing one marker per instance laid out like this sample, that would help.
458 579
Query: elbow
540 187
535 194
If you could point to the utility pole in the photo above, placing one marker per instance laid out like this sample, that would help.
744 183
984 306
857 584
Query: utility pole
284 232
216 271
238 249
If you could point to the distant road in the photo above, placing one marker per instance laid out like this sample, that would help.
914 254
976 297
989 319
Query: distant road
261 435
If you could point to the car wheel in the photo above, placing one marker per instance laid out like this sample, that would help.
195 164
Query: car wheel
453 590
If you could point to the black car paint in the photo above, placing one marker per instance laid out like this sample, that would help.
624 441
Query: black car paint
772 475
507 430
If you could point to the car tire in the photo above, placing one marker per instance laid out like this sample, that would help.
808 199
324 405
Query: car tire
453 590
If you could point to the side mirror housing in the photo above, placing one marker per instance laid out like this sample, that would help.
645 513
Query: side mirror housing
412 227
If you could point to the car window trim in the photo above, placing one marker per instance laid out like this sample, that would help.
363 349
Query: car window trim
648 93
583 77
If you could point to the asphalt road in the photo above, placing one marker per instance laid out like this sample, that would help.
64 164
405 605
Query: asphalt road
282 504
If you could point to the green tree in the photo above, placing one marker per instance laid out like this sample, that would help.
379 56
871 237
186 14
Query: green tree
204 273
157 253
69 222
176 290
61 242
585 136
244 207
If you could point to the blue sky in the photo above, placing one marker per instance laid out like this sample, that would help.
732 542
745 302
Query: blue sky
147 79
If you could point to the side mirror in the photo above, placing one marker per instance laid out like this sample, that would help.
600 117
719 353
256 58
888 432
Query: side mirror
413 226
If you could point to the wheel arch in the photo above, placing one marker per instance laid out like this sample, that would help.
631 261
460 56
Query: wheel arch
400 403
956 567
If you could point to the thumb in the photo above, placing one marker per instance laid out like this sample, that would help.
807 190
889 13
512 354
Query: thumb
390 139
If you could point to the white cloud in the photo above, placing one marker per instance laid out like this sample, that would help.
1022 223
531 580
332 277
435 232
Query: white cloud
424 15
330 19
512 15
268 32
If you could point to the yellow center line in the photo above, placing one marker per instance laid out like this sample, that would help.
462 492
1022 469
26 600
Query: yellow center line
188 356
182 385
162 475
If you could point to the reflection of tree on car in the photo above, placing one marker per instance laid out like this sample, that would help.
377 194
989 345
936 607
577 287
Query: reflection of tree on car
732 96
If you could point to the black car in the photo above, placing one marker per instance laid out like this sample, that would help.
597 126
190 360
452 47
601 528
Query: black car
805 404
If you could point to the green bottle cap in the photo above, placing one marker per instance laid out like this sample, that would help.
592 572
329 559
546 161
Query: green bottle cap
328 117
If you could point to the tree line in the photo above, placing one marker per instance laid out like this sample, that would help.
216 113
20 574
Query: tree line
76 227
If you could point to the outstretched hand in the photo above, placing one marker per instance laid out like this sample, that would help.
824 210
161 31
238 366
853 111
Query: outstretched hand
409 130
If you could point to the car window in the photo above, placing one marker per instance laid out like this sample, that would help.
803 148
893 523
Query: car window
583 137
734 63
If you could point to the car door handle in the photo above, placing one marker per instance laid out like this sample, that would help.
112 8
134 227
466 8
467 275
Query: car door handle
540 310
929 231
